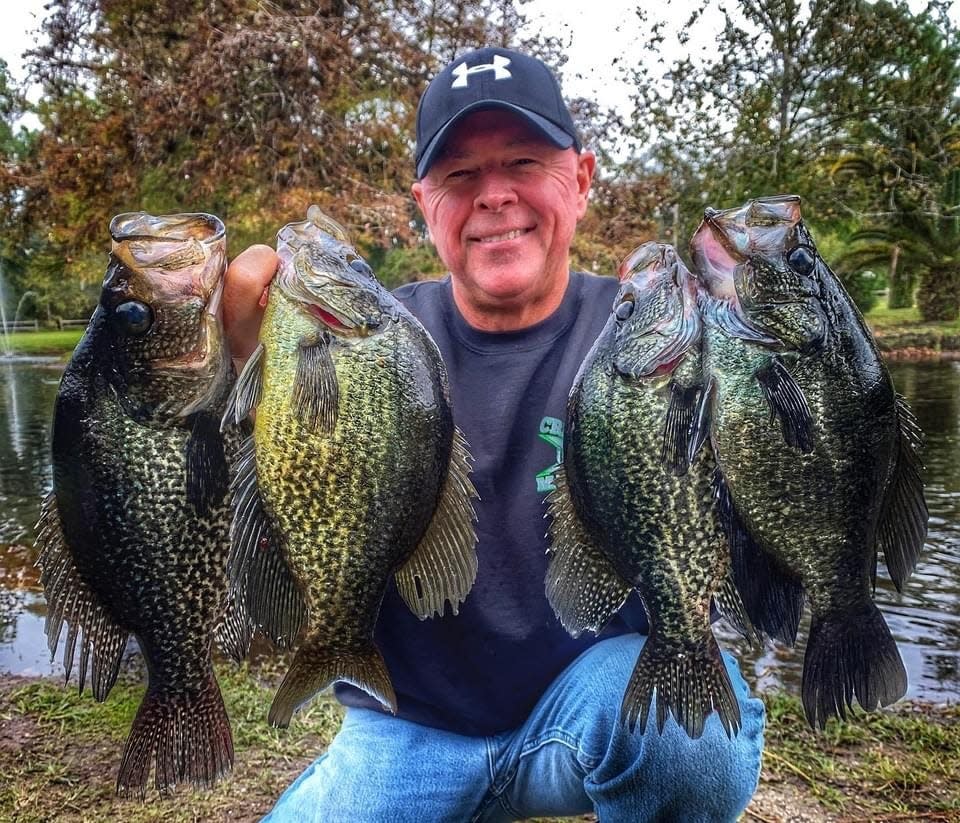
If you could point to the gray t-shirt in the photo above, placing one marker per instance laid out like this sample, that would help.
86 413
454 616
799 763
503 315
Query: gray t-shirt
482 671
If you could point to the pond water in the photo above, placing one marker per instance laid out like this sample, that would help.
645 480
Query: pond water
924 618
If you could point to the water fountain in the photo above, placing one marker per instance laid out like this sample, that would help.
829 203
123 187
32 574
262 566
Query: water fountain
6 350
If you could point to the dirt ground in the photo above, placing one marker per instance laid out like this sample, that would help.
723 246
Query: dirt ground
59 755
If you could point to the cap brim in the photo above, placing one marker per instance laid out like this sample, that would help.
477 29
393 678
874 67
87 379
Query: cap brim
551 131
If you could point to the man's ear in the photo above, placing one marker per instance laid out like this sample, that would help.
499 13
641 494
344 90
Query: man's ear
417 191
586 166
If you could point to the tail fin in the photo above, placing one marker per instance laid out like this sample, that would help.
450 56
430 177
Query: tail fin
689 684
190 734
313 669
850 655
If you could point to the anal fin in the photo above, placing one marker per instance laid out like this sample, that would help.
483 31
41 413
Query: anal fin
730 605
772 596
582 585
70 601
234 630
260 580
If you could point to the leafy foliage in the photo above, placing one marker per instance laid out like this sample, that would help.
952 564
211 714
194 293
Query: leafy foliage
245 108
253 109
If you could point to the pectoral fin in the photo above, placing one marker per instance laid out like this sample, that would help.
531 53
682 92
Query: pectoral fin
903 519
681 429
582 585
444 564
316 393
788 404
701 420
246 391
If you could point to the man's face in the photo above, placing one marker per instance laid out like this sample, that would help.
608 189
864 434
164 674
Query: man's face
502 205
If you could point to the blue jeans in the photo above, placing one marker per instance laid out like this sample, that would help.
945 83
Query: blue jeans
571 756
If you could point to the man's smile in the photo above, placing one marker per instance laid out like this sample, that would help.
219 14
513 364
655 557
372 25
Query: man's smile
501 237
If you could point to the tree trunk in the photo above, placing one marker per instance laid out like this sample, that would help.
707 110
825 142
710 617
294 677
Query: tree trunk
900 295
939 295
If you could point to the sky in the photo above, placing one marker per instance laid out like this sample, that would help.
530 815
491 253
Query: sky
594 39
594 34
20 19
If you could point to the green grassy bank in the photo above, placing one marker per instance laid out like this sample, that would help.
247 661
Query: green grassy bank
45 342
895 330
59 754
902 331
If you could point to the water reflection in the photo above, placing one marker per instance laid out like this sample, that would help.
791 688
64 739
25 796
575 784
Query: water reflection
27 394
924 618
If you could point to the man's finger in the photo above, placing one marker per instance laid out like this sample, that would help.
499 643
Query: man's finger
244 298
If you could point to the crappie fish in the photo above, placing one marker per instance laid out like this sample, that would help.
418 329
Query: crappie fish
355 470
634 506
134 537
819 454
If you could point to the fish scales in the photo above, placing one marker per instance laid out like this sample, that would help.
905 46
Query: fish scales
357 471
330 500
624 516
818 453
135 535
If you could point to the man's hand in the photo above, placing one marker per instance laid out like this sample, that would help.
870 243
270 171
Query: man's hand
245 297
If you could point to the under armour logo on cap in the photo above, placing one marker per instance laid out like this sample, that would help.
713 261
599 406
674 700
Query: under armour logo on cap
499 68
471 83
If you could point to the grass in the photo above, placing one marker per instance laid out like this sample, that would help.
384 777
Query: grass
60 751
902 763
883 319
45 342
59 754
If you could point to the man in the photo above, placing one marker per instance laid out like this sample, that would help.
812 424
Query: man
502 715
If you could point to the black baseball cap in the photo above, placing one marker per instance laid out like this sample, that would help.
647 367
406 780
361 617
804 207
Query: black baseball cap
492 78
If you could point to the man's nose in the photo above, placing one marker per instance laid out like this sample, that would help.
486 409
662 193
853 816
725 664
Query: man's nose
495 192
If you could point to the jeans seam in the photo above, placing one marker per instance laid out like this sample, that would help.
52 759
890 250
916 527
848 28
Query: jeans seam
588 762
498 790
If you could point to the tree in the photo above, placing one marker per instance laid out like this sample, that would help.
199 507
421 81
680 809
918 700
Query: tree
246 108
904 167
789 87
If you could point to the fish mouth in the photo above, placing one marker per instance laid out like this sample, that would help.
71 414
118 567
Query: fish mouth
715 257
665 296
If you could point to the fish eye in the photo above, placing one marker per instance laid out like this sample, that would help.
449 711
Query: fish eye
625 308
801 259
360 265
132 318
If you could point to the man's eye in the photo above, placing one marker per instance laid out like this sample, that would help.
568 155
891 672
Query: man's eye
458 174
522 161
